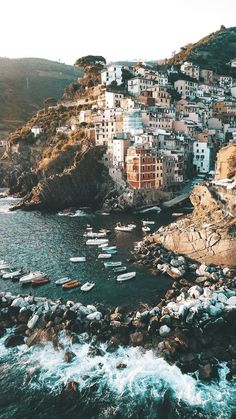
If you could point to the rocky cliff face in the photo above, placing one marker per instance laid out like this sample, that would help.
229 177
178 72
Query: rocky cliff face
208 234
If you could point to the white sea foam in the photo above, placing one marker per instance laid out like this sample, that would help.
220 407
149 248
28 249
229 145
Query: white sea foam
146 376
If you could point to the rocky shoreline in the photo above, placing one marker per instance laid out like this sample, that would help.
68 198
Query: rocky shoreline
194 326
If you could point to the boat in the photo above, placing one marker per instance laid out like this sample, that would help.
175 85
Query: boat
177 214
87 286
101 246
126 277
157 209
110 248
147 222
96 242
62 281
71 284
14 274
123 228
104 230
37 282
27 279
4 265
120 269
78 259
146 229
104 256
93 235
112 264
110 251
132 226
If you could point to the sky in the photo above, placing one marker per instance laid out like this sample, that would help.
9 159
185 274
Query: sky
118 30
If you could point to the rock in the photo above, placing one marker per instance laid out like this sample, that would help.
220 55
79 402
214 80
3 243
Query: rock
69 315
207 372
115 316
195 291
121 366
136 338
165 320
231 301
169 294
14 340
32 322
72 386
94 316
18 302
164 331
222 298
214 311
42 337
24 315
68 356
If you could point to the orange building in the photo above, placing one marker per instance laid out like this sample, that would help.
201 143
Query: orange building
144 168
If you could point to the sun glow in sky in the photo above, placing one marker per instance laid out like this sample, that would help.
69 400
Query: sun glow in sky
119 30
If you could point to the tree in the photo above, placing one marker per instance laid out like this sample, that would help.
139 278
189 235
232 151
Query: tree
90 60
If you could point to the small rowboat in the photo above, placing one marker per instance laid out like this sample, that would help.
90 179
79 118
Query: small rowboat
120 269
96 242
112 264
123 228
71 284
147 222
146 229
63 281
78 259
104 256
37 282
87 286
125 277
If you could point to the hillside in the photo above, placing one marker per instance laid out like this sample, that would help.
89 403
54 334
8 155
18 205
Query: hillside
213 51
25 83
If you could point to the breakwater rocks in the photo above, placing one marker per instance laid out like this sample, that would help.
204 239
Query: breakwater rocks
208 234
194 326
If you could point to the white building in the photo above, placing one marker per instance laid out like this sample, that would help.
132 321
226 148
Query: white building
190 69
112 74
36 130
113 100
186 88
225 81
139 84
201 156
121 143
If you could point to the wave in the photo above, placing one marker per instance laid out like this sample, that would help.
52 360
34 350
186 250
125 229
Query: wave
145 381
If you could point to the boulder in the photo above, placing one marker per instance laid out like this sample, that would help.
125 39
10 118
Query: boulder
164 331
207 372
68 356
32 321
136 338
231 301
14 340
24 315
121 365
96 315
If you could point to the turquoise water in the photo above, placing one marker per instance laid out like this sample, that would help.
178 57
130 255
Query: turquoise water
46 241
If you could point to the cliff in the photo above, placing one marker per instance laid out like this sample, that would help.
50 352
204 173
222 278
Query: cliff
208 234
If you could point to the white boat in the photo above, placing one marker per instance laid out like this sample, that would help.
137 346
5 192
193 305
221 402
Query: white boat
146 229
11 275
132 226
104 256
110 248
112 264
78 259
147 222
101 246
62 281
125 277
27 279
94 235
4 266
120 269
96 242
157 209
87 286
123 228
177 214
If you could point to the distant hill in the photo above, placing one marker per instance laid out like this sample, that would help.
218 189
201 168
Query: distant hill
213 51
25 83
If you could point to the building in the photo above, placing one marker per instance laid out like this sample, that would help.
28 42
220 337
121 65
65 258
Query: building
202 156
186 88
112 74
226 82
207 75
190 70
133 122
121 143
113 99
161 95
139 84
223 169
144 168
36 130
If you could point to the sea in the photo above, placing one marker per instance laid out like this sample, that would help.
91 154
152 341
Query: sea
33 380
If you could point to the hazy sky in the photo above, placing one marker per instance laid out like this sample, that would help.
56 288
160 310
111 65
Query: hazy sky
122 29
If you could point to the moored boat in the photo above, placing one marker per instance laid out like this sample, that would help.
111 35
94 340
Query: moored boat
96 242
62 281
101 246
104 256
14 274
37 282
120 269
147 222
124 228
78 259
27 279
126 277
146 229
71 284
87 286
112 264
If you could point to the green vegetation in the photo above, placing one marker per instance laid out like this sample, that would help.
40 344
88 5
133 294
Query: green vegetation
213 52
25 84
